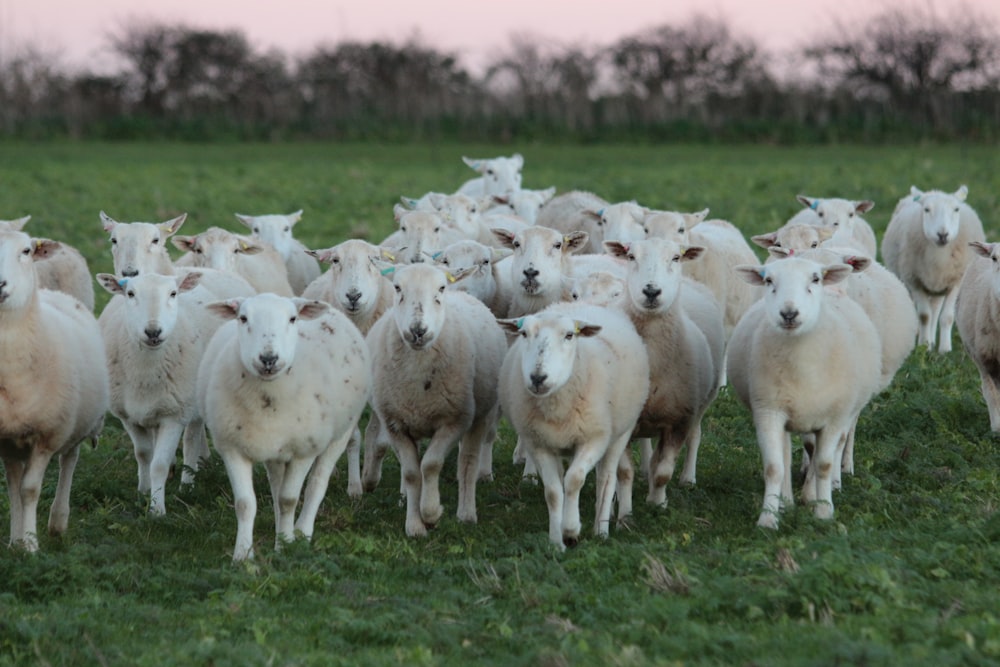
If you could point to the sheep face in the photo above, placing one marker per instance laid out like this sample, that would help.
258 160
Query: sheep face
794 238
217 248
151 304
268 330
421 236
460 212
419 306
600 288
548 347
940 214
794 297
501 175
354 274
621 222
671 225
140 247
654 270
475 259
538 259
18 279
527 203
273 229
990 251
834 213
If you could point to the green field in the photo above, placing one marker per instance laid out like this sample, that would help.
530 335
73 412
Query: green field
908 572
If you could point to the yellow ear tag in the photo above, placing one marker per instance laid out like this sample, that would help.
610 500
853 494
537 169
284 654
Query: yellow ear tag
576 330
38 243
451 278
243 246
388 256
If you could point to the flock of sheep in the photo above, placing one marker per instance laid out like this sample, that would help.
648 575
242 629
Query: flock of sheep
586 324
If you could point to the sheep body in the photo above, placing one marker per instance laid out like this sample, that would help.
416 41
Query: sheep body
978 320
804 360
55 386
277 230
285 384
437 355
842 217
573 384
927 245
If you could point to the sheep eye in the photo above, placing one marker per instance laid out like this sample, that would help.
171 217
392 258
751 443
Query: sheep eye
256 230
155 241
444 262
816 279
927 209
524 334
287 228
291 320
776 244
836 224
441 289
820 214
335 260
680 230
601 222
569 336
402 228
130 294
557 245
956 209
489 172
197 251
516 244
437 229
398 290
676 258
26 251
114 241
768 281
173 294
850 215
631 256
814 244
243 319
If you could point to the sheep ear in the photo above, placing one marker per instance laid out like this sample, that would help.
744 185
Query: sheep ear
808 202
474 164
387 255
408 202
824 233
780 253
982 249
18 224
504 236
171 226
765 240
185 243
398 211
751 274
592 214
863 206
574 241
292 218
519 159
107 222
691 252
499 254
585 330
693 219
323 255
858 263
227 310
962 193
190 281
616 249
44 248
247 220
110 283
548 193
835 273
437 200
511 326
310 309
384 267
916 192
248 247
460 275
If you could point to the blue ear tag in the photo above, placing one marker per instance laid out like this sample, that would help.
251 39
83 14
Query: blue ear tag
520 324
916 197
436 255
387 271
814 205
122 283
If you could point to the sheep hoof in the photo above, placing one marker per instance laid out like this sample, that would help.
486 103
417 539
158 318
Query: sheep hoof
571 540
768 519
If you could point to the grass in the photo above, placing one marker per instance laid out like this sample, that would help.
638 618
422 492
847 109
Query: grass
908 572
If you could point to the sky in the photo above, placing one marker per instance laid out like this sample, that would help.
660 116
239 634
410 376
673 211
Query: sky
76 30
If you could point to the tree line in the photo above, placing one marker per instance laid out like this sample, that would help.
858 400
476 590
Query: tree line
906 73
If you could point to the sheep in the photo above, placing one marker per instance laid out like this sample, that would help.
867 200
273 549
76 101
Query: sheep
500 175
55 386
437 355
66 269
978 320
523 203
155 333
927 245
354 283
540 266
488 282
843 216
462 213
284 382
276 229
681 324
793 238
805 360
421 234
725 247
256 261
584 211
573 384
601 288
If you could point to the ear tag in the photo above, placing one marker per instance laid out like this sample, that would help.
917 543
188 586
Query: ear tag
576 330
451 278
436 255
389 256
814 205
122 283
520 324
388 270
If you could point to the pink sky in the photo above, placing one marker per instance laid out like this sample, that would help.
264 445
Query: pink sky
77 29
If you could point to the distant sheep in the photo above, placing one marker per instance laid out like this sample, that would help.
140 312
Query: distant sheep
437 355
978 312
488 280
283 382
602 221
65 270
794 238
572 385
55 386
804 360
276 229
524 203
499 176
842 217
927 244
420 235
254 260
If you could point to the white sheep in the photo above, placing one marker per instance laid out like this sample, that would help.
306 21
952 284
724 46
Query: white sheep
978 313
488 280
927 245
499 176
276 229
283 382
65 270
155 332
601 288
254 260
524 203
420 235
682 326
354 283
804 360
793 238
55 387
603 221
573 385
725 247
843 217
540 266
437 355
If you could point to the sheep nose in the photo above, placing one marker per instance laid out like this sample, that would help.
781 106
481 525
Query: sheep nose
531 273
130 272
417 259
418 331
537 379
353 296
650 291
268 359
789 315
942 237
153 333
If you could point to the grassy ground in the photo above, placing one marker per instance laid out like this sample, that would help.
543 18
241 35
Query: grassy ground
907 573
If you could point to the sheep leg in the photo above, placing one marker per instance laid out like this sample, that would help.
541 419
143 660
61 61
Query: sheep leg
240 471
828 445
646 457
522 455
440 445
319 481
14 472
550 472
470 451
375 449
194 448
607 484
143 446
693 441
288 493
31 486
663 464
928 312
626 480
773 442
168 436
354 488
409 467
991 394
586 458
59 512
946 320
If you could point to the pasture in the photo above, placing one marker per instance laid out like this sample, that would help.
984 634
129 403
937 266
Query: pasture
908 572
